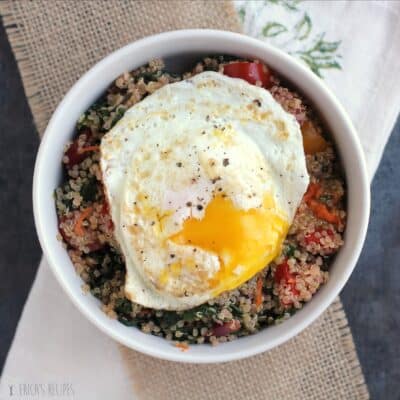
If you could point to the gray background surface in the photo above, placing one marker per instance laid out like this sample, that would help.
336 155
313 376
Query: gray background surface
371 297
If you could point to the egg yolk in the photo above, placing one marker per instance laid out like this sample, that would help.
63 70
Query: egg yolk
245 241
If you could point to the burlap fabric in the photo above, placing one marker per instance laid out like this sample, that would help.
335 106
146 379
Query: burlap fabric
54 43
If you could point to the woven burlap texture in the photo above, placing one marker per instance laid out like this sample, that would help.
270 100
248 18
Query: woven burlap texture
54 43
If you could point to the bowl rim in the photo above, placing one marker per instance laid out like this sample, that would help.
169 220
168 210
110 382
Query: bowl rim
201 34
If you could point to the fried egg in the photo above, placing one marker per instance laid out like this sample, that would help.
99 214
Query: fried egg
203 179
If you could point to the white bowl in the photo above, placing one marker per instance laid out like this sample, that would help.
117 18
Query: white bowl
179 48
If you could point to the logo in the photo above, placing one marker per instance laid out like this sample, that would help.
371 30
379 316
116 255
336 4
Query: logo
29 391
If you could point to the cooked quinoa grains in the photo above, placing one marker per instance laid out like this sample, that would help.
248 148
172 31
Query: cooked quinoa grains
270 297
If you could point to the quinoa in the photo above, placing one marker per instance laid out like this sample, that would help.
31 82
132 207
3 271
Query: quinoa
270 297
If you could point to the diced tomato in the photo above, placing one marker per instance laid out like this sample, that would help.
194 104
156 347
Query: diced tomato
283 273
226 328
105 210
320 210
313 191
315 237
145 312
74 157
313 141
89 238
61 230
316 244
73 153
249 71
95 245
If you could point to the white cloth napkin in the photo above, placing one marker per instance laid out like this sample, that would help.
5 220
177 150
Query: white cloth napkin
56 348
353 45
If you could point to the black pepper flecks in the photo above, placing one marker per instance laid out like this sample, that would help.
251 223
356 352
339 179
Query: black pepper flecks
179 164
225 162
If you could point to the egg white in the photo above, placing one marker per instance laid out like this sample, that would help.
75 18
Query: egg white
171 155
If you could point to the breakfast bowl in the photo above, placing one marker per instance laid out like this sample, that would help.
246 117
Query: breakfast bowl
180 50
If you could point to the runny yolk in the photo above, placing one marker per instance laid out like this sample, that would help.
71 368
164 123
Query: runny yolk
244 241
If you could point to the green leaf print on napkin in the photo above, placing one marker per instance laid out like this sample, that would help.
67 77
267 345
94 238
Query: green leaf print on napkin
288 24
303 27
273 29
289 4
321 55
